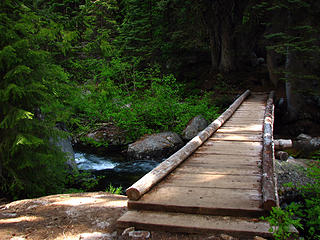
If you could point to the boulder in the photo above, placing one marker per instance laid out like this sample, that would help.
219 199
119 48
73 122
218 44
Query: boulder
108 133
155 146
194 126
66 146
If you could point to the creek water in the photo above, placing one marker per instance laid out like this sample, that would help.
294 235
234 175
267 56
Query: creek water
113 169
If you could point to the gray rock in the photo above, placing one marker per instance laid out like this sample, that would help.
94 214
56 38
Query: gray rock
303 136
194 126
95 236
139 234
66 147
155 146
64 143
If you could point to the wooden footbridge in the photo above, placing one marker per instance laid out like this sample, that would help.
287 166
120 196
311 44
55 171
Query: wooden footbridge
222 181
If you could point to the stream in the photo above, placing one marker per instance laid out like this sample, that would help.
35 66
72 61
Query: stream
113 169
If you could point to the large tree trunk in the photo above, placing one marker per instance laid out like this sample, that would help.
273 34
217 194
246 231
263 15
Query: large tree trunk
222 19
300 65
228 51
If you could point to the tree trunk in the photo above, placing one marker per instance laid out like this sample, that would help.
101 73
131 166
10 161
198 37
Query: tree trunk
222 19
227 62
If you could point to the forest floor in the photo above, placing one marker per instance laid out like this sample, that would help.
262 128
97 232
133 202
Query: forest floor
72 217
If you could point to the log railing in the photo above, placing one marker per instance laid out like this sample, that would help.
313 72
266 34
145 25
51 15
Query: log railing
269 183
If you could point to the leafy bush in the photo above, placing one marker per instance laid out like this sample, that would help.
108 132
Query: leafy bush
281 222
148 103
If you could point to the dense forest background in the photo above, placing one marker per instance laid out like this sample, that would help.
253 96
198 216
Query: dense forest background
144 66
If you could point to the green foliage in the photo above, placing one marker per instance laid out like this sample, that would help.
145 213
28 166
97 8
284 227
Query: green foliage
84 63
80 182
114 190
29 80
305 215
310 208
281 222
146 103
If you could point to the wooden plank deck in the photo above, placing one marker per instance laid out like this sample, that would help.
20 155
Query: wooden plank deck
221 178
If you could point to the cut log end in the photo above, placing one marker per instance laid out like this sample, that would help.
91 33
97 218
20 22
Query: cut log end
283 156
133 193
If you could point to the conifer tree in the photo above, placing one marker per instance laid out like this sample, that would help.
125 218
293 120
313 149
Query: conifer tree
30 163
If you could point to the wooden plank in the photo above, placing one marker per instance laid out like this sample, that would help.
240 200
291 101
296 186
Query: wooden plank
223 159
252 109
201 200
246 170
234 145
245 116
204 197
213 181
244 127
254 103
238 148
246 121
235 152
245 137
236 130
190 223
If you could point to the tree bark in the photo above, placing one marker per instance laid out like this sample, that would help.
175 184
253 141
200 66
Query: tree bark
222 19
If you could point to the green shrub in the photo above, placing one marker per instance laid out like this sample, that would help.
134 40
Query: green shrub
304 215
281 222
114 190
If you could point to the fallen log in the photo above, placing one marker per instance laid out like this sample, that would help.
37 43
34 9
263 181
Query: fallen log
157 174
304 144
282 144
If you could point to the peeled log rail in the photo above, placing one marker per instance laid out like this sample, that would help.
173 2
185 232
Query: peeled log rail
268 178
157 174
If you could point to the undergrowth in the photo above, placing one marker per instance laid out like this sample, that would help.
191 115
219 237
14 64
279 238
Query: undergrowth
150 102
304 215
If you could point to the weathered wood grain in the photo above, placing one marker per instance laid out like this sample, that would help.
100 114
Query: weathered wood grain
244 137
191 223
201 200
